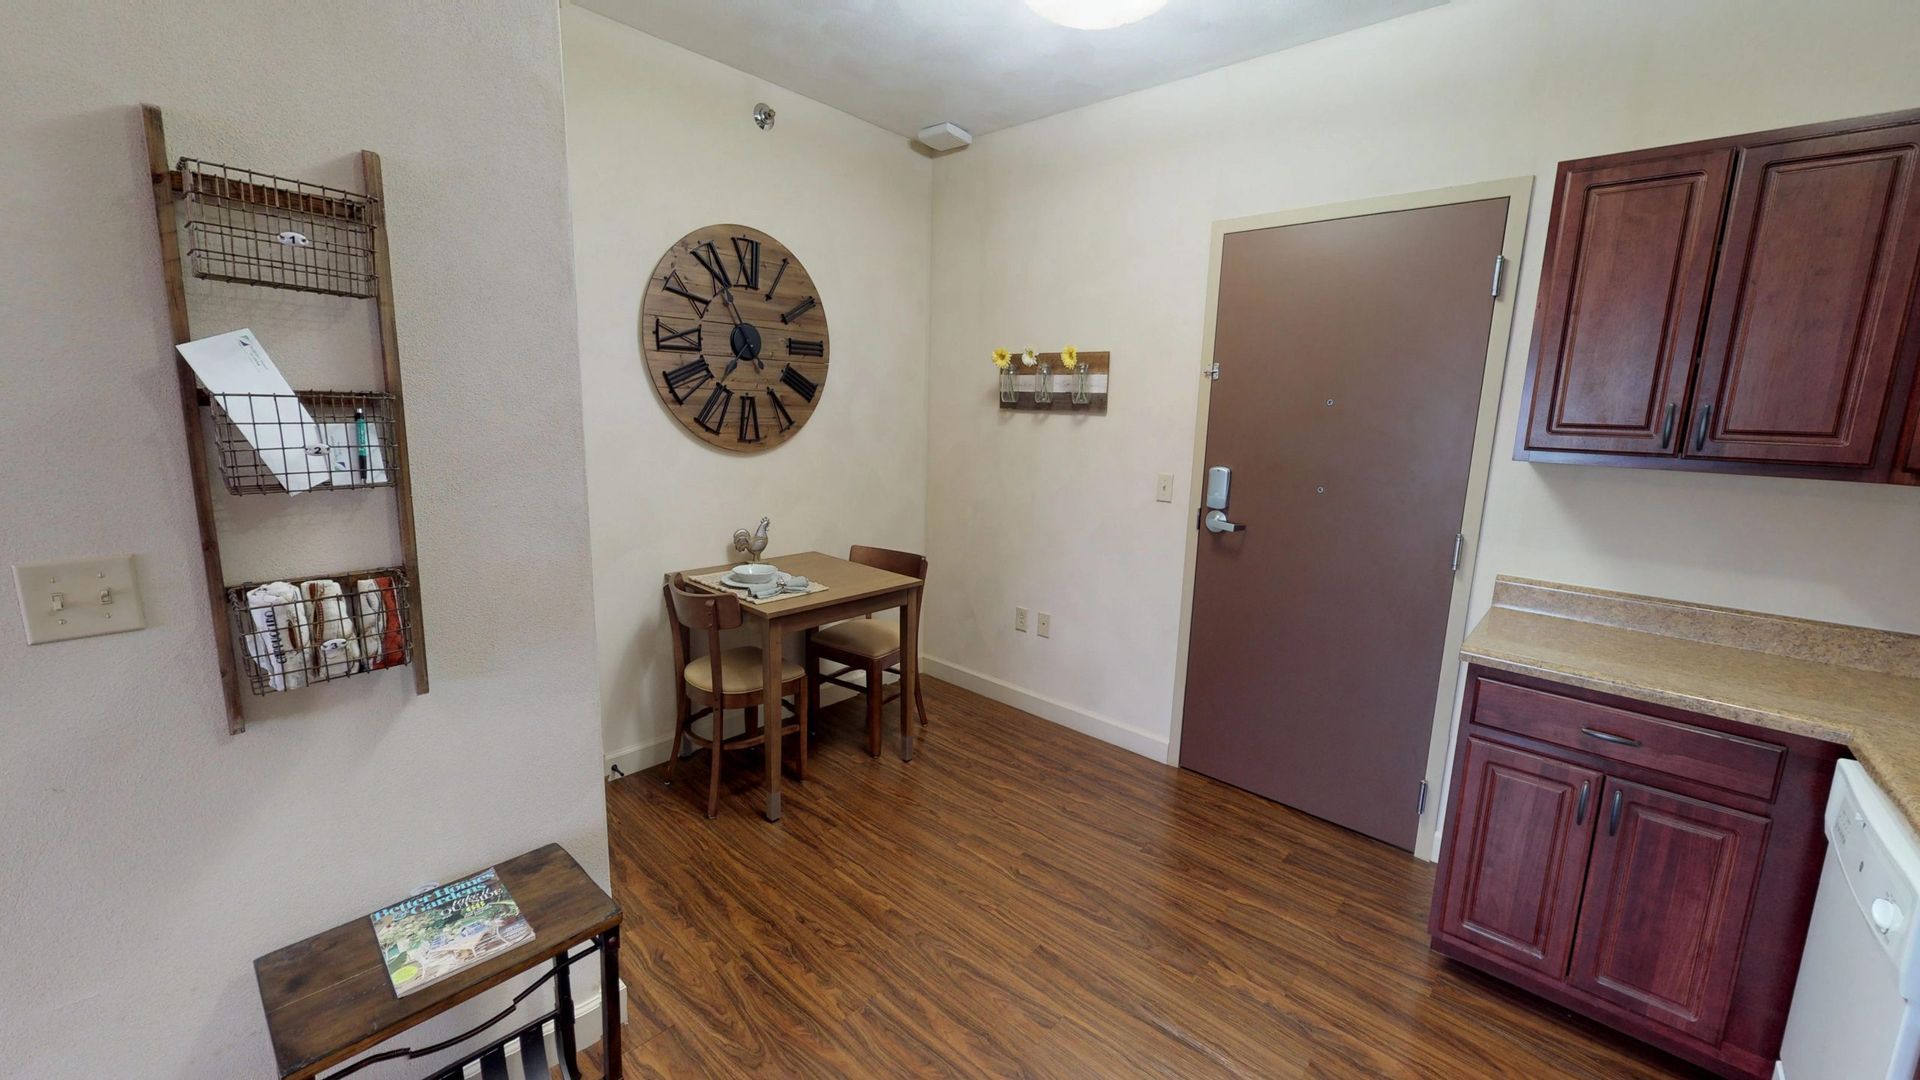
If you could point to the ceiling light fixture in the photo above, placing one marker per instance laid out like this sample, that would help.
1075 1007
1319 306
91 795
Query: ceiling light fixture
1094 14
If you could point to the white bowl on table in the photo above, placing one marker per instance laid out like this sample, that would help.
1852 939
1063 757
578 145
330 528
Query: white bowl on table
754 573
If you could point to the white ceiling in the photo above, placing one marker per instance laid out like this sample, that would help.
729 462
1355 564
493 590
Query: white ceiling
982 64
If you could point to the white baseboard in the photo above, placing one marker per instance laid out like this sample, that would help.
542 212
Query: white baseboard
1068 716
632 759
586 1028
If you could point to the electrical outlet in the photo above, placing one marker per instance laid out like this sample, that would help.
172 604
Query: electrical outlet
1020 619
1046 625
1163 488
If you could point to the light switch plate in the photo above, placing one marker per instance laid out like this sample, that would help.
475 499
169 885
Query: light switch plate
76 598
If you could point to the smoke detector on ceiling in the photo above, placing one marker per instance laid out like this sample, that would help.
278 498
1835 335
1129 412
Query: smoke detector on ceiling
944 136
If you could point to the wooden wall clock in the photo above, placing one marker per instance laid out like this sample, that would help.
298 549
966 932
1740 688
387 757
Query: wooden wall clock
735 337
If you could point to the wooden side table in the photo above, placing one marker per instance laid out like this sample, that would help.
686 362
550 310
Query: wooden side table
328 998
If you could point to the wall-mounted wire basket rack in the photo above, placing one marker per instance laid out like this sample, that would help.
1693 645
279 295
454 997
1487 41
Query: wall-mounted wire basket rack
320 440
294 634
257 228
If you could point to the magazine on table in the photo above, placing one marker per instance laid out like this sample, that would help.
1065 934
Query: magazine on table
442 931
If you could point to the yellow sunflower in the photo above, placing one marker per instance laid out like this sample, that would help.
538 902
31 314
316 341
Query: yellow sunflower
1069 357
1002 359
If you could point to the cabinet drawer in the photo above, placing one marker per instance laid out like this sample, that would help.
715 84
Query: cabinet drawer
1711 757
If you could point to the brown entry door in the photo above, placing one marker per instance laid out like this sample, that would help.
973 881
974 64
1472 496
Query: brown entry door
1351 357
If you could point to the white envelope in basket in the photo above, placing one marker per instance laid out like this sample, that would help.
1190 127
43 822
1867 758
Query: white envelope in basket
234 367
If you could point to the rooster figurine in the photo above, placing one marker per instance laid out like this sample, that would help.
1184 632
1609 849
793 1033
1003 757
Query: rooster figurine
752 544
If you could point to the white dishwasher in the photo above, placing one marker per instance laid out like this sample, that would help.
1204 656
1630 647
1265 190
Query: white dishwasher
1856 1006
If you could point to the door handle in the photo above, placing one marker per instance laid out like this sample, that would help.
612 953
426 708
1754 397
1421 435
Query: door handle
1216 522
1613 814
1580 811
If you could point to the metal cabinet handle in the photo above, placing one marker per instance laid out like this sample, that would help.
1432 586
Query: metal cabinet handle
1580 811
1613 815
1706 421
1666 426
1608 736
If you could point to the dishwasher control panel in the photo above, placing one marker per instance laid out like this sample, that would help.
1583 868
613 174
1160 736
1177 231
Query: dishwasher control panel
1880 858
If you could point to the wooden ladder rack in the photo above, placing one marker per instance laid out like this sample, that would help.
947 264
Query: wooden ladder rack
170 185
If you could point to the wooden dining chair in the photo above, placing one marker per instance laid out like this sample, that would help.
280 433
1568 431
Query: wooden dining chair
724 679
868 645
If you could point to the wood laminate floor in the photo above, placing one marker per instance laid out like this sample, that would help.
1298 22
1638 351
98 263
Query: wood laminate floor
1023 900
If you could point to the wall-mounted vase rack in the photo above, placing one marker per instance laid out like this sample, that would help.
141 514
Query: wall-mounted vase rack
255 228
1050 386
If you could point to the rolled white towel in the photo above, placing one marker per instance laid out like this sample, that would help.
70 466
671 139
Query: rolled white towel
278 611
336 638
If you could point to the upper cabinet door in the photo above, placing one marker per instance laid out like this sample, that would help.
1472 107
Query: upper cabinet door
1810 301
1516 853
1913 437
1909 469
1666 906
1621 300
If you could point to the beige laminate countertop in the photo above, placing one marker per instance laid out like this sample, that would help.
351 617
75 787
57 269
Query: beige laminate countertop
1843 684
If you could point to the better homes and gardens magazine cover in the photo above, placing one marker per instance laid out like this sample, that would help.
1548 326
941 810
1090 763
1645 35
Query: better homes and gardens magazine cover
427 937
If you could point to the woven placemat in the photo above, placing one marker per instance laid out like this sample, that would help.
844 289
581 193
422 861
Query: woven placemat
713 581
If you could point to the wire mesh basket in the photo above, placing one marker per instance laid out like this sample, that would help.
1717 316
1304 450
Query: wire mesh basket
280 443
294 634
259 229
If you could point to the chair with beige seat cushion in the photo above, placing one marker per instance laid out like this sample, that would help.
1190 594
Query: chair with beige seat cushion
868 645
737 672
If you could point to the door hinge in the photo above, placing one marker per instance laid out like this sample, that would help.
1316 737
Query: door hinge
1499 264
1421 810
1212 371
1459 541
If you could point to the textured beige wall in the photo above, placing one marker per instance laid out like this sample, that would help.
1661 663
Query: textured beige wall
146 857
1092 227
661 142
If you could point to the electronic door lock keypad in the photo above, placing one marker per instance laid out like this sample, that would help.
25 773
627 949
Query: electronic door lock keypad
1214 520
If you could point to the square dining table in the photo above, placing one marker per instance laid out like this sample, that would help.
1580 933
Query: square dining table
852 590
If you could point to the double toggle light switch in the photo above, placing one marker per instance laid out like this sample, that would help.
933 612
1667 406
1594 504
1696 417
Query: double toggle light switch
78 598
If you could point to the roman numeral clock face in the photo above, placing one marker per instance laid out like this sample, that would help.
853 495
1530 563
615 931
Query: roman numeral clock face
735 337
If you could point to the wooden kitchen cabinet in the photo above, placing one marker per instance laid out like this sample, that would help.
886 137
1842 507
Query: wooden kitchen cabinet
1737 305
1909 473
1667 871
1810 302
1630 255
1650 868
1527 823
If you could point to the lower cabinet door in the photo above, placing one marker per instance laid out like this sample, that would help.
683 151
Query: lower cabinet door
1666 905
1519 848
